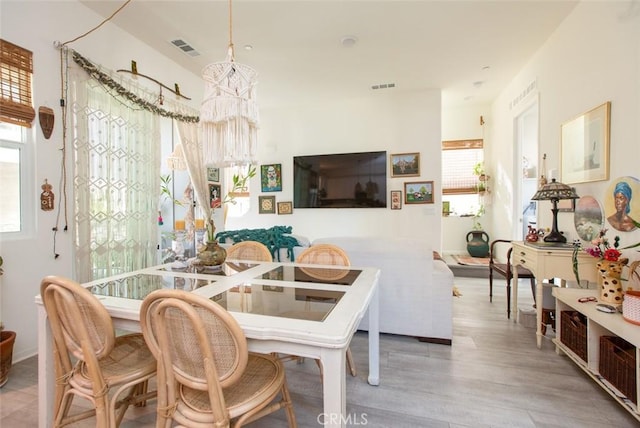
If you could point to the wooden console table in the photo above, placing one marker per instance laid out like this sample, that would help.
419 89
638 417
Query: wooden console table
547 262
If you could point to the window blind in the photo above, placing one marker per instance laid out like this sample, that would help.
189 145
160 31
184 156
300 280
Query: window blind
458 159
16 69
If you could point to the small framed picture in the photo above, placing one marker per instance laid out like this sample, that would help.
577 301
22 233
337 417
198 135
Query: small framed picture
267 204
396 199
271 177
405 165
213 174
285 207
215 196
418 192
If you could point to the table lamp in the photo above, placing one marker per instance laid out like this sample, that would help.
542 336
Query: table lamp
554 192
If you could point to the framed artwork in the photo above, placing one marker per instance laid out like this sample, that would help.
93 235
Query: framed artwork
215 195
418 192
588 218
267 204
285 207
405 164
584 146
396 199
213 174
621 206
446 208
271 177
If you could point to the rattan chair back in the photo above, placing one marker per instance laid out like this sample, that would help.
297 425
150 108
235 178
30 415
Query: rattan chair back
249 250
324 254
211 379
90 361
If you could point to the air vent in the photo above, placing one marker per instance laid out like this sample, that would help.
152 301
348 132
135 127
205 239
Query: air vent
185 47
383 86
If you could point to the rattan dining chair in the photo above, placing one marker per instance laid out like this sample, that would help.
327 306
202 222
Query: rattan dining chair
91 362
506 270
210 377
328 254
249 250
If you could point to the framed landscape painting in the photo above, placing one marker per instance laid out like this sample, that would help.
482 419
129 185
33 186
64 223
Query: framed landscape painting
405 165
418 192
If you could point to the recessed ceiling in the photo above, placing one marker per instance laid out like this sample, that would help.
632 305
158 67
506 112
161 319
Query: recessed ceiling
300 53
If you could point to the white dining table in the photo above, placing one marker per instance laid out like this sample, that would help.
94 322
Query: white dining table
298 309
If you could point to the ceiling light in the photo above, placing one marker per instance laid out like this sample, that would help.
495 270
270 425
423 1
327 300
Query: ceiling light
229 112
349 41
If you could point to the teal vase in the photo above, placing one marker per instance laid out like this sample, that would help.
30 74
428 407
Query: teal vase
478 243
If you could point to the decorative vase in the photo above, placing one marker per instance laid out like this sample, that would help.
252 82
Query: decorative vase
478 243
211 254
7 339
610 280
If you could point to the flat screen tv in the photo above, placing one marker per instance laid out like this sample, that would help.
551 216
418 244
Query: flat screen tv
347 180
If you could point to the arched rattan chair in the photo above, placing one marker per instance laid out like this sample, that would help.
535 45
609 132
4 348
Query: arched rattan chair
90 361
328 254
249 250
210 377
505 269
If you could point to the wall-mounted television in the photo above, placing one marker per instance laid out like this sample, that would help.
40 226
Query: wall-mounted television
346 180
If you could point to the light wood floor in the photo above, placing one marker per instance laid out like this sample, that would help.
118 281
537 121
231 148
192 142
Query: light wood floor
492 376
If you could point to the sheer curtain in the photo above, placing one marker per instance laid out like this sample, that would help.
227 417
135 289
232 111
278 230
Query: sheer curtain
116 159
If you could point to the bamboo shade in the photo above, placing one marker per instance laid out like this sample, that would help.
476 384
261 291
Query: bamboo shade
458 159
16 68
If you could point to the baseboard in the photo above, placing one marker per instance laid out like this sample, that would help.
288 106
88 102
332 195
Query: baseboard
436 340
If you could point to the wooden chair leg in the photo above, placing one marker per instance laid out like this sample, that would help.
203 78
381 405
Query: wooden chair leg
350 363
490 285
509 298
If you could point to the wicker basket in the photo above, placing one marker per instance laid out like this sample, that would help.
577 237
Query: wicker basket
631 307
618 365
573 332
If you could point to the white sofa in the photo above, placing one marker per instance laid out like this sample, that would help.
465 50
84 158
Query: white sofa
416 291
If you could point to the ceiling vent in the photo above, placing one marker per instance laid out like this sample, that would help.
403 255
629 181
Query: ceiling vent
185 47
383 86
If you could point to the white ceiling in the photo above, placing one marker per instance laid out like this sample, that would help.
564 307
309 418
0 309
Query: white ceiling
298 54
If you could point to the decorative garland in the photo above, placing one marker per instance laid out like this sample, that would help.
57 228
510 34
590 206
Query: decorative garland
101 77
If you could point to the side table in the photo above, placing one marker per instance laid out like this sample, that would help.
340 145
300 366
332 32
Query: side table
547 261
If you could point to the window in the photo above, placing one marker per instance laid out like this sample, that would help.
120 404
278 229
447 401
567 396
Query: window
16 68
14 192
459 184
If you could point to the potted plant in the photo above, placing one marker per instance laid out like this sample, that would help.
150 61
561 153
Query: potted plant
7 340
478 170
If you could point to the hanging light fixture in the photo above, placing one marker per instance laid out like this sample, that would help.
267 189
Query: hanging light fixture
229 112
176 161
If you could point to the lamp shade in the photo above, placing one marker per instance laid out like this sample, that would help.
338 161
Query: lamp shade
555 190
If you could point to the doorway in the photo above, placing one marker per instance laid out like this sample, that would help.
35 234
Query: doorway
527 169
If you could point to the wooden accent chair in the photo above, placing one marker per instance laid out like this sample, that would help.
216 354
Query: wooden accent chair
328 254
505 269
210 377
249 250
90 361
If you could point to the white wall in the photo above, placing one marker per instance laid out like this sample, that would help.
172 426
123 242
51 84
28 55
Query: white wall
593 57
398 122
35 26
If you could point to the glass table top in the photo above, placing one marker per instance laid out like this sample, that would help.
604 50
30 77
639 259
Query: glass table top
228 268
285 302
140 285
338 276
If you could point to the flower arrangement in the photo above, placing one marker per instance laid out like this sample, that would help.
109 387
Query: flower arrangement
601 249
